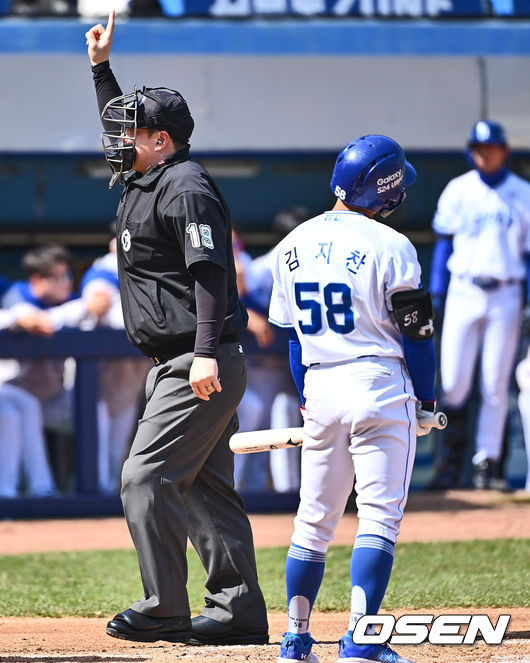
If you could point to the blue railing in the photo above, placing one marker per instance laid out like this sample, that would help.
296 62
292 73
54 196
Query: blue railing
88 348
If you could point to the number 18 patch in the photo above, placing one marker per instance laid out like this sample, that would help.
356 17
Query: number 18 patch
201 234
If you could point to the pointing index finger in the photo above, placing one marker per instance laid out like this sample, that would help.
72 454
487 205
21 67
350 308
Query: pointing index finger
110 22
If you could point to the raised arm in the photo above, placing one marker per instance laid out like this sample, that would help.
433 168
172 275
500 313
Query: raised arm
99 42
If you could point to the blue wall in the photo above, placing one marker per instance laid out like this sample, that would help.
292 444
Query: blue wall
268 37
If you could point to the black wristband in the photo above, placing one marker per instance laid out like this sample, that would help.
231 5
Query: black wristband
100 66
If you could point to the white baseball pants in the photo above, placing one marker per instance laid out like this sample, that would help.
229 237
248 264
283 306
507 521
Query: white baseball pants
481 325
22 444
360 423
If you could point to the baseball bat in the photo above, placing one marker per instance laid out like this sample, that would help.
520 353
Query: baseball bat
265 440
253 442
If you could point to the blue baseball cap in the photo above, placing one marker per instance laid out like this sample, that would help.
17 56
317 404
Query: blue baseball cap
487 133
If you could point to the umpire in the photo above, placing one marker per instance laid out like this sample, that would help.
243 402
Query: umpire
181 308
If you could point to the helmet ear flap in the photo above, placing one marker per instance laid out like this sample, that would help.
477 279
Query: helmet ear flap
384 212
410 174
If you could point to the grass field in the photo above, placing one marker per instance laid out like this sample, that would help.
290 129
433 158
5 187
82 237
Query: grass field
426 575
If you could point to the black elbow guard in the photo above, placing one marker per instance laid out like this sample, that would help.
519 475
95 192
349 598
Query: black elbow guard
413 313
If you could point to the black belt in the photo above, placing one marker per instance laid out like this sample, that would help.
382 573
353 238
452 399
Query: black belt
188 347
491 283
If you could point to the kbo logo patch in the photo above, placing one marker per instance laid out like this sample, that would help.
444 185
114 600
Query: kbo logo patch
126 240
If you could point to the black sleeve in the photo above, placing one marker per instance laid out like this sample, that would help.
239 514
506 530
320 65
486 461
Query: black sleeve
107 87
211 300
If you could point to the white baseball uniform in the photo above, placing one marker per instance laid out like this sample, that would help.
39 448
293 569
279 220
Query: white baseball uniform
491 235
334 277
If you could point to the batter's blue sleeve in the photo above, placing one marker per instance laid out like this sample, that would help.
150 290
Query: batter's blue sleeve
439 273
295 361
421 362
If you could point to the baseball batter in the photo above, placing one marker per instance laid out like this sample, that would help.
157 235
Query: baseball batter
480 259
362 356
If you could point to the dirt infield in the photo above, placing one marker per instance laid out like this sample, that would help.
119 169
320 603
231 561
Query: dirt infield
430 517
84 641
460 515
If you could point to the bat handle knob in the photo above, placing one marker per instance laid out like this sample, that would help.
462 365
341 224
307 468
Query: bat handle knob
441 420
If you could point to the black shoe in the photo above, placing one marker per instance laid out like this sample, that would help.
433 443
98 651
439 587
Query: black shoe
131 625
206 631
482 474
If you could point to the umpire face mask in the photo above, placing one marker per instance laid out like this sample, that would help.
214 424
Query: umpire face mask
119 138
158 108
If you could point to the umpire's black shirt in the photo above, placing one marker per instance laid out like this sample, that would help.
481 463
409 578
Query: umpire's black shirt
168 219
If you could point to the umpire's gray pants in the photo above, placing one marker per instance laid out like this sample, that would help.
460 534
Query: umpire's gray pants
178 482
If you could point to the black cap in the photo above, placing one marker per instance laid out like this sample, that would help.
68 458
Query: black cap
166 110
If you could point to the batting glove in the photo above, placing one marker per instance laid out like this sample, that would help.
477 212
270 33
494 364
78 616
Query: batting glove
424 414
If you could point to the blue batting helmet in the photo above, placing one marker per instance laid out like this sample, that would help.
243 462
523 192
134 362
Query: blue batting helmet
487 133
371 172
